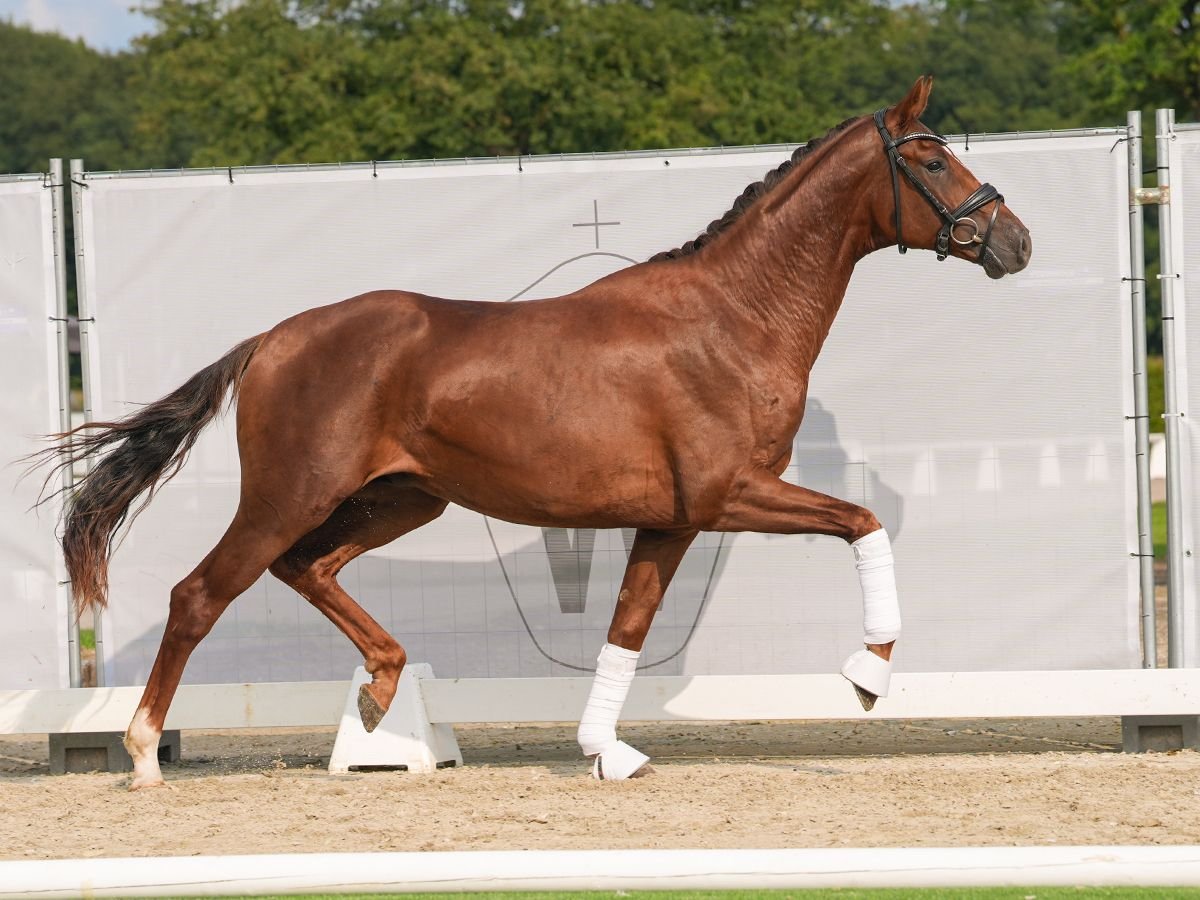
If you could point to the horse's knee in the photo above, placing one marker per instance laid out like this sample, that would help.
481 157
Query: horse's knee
861 523
632 619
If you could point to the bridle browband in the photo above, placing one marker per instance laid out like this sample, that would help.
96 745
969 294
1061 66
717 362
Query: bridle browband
952 220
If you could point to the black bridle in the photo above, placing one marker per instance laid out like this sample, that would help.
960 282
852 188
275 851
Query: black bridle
953 220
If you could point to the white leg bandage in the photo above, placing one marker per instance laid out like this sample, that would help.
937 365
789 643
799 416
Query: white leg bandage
615 760
877 575
870 674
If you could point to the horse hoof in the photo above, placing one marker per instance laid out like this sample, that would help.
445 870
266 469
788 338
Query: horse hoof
137 785
598 772
600 775
619 762
866 698
369 709
870 675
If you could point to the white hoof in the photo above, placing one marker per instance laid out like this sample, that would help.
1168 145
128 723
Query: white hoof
148 781
868 672
618 762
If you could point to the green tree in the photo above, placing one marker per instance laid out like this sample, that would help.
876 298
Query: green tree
223 83
269 80
1000 66
60 98
1135 54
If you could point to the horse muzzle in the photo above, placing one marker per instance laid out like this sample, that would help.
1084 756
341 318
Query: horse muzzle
1007 253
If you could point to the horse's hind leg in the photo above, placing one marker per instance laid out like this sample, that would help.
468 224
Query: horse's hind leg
240 557
376 515
652 563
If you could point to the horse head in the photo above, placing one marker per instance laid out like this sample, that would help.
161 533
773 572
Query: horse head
935 203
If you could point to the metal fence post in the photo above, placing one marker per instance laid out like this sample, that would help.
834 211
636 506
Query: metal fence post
85 320
1141 406
1164 121
57 210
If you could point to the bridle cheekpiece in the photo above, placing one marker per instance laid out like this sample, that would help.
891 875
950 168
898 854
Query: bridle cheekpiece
954 222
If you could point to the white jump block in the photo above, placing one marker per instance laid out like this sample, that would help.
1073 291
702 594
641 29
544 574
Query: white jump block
404 738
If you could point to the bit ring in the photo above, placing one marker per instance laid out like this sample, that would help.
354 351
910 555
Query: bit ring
965 242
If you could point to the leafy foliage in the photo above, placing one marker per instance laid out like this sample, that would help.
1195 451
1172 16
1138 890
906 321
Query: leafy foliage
221 82
263 80
1135 53
232 82
59 98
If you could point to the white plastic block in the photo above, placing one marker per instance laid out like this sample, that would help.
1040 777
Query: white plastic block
405 737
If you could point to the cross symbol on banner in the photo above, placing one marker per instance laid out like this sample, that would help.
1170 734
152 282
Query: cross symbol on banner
595 223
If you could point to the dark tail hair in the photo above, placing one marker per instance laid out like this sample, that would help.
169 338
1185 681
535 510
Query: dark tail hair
136 455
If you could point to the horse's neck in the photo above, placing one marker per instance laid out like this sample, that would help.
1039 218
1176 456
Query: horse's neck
789 261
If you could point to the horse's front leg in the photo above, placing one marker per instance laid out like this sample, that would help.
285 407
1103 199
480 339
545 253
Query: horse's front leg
762 502
652 562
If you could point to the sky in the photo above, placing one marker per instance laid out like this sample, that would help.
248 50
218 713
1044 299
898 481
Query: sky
103 24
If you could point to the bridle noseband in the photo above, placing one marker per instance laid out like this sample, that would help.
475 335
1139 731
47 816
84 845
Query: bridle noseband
953 221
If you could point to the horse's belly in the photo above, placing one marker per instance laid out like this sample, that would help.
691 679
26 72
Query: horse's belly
567 486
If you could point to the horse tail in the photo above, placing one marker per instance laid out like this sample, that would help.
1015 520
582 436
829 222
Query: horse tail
136 454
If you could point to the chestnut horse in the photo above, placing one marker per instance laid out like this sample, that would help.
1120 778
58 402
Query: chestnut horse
360 421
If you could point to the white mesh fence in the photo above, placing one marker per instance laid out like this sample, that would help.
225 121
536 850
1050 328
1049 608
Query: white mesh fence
984 422
33 632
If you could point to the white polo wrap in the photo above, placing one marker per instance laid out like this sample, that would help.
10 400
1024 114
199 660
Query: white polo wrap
615 760
877 575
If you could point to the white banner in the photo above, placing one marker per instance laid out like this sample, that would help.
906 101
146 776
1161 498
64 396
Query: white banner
984 422
33 633
1183 160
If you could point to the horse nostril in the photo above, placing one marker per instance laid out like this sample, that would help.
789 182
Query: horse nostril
1023 249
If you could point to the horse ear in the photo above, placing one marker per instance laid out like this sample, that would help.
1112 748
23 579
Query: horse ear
910 108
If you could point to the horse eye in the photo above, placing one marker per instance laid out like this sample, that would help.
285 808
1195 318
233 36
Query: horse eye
935 165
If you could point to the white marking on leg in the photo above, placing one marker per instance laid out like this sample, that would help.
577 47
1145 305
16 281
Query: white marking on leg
864 669
141 740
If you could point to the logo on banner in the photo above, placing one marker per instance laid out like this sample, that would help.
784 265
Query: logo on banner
571 563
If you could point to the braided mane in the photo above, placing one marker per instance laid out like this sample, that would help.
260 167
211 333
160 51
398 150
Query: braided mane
750 195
